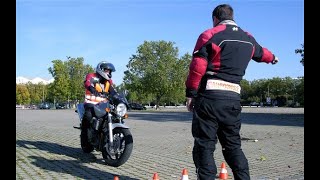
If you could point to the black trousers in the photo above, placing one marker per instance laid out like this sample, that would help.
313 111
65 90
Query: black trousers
218 118
87 116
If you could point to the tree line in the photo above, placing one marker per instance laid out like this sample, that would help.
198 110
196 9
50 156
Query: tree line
155 75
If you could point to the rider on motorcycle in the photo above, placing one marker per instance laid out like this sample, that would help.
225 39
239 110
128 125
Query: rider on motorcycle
98 85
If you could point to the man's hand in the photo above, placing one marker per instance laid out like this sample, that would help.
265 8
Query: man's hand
190 104
275 61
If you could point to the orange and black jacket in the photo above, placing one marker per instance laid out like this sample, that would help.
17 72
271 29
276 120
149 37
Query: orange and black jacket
92 79
223 53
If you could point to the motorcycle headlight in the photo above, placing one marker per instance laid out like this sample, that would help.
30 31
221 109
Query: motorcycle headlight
121 109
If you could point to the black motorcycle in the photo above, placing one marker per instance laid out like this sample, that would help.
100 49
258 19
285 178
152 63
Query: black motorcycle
108 132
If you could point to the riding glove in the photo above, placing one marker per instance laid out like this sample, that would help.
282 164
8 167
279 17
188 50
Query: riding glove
93 91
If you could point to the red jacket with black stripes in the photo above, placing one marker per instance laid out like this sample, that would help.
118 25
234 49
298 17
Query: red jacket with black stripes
223 53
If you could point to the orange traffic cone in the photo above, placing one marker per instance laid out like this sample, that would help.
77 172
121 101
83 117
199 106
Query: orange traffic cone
116 178
155 176
184 174
223 173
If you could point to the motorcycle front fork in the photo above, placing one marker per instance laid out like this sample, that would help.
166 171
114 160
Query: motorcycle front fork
110 129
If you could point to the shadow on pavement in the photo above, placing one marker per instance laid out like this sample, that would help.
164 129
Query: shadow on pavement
72 167
247 118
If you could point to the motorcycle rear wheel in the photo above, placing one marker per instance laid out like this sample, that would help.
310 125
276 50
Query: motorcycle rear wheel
123 144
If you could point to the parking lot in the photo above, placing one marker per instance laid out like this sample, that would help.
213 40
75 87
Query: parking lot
48 147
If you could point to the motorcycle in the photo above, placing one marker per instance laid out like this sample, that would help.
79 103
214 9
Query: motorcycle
108 132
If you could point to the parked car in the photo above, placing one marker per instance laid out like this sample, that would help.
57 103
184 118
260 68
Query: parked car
32 106
254 104
61 106
44 106
137 106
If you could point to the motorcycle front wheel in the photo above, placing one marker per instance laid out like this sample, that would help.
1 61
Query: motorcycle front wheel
85 144
117 154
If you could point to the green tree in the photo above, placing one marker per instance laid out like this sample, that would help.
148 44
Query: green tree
179 76
36 92
69 76
22 94
60 87
151 72
245 91
77 71
299 90
276 87
262 88
301 52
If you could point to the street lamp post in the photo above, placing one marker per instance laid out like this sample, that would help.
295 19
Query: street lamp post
68 101
43 93
268 99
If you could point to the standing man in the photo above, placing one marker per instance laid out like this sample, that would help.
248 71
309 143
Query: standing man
220 58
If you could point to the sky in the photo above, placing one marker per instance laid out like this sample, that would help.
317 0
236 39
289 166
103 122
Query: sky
112 30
